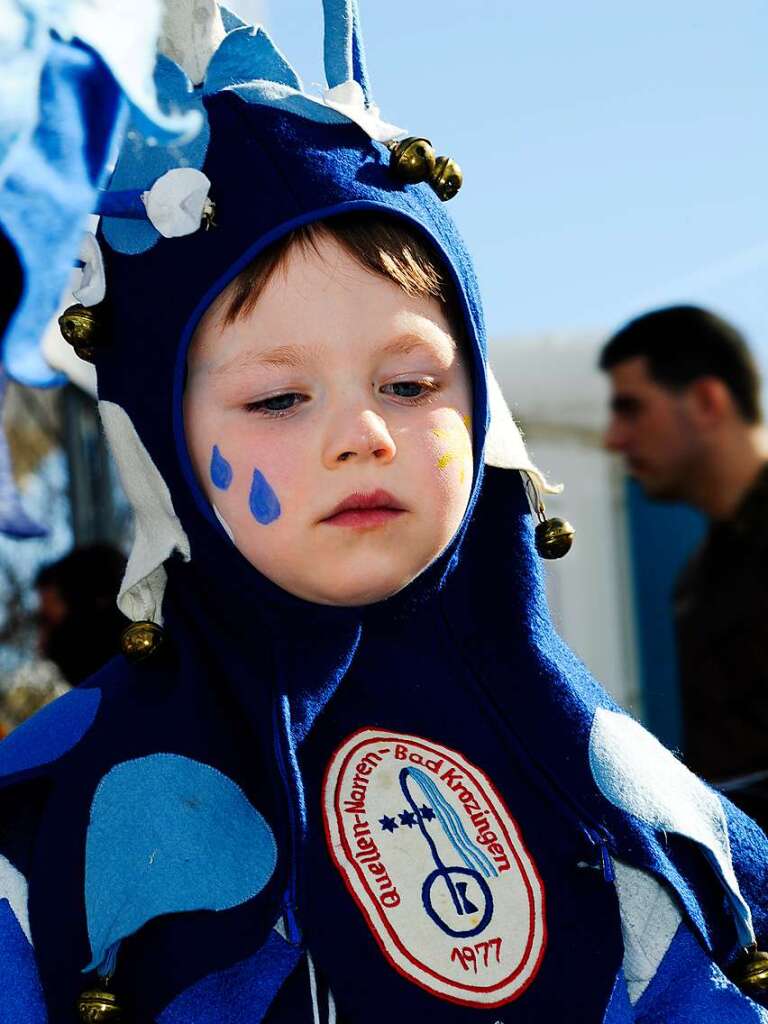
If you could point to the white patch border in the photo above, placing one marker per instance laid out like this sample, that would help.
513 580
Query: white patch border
398 956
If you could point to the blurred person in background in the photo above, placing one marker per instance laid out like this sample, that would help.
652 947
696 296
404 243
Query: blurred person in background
686 417
79 625
78 630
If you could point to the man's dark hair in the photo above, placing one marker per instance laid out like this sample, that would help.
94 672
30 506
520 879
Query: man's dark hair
88 577
87 581
683 343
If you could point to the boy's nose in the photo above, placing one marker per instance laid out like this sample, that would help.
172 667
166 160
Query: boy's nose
362 437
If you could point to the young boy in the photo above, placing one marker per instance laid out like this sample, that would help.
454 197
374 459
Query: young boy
346 771
366 373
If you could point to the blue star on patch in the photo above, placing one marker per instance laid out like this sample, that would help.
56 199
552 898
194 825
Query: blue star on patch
408 818
427 813
388 824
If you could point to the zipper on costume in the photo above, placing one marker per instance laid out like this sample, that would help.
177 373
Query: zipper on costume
596 834
604 862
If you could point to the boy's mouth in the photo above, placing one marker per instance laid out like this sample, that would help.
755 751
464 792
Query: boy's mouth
374 508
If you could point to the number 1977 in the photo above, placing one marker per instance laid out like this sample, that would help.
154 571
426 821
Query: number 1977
468 956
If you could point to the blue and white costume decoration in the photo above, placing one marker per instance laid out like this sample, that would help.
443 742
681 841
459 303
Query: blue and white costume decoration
424 809
178 836
71 73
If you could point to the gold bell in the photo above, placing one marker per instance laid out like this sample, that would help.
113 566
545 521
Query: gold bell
98 1005
554 537
141 639
80 327
446 178
751 971
413 159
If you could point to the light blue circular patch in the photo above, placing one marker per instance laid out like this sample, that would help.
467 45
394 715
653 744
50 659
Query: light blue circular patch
169 834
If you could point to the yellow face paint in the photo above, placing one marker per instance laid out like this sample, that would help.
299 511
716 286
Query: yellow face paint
457 441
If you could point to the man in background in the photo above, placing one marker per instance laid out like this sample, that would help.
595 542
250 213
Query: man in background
686 416
79 625
78 630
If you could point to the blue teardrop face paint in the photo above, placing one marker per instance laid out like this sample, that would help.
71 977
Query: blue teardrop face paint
263 502
221 471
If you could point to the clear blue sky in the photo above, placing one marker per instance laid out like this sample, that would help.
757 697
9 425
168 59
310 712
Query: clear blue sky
615 154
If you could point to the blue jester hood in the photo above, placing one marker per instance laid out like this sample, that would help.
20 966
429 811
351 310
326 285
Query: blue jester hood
423 808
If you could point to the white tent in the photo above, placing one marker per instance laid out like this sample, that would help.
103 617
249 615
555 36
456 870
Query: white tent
560 400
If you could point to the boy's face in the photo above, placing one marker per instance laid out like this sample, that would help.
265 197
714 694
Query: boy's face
329 428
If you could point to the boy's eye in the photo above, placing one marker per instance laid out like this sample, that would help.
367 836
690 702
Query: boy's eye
277 405
410 389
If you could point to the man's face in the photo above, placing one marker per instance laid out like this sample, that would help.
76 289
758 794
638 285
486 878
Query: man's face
337 389
52 611
654 429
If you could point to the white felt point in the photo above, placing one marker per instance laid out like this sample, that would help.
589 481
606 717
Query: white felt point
649 920
176 202
504 445
191 33
13 887
348 99
638 774
92 287
158 532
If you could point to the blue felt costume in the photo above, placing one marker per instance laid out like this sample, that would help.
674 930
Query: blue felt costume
424 809
70 73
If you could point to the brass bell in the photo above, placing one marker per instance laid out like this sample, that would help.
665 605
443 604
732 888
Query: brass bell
447 178
751 971
554 537
80 327
141 639
98 1005
413 159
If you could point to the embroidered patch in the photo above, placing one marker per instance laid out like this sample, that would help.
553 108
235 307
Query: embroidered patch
437 865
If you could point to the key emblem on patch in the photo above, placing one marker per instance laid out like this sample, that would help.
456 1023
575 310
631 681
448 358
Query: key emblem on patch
437 865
